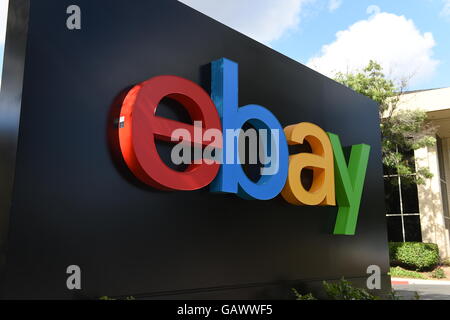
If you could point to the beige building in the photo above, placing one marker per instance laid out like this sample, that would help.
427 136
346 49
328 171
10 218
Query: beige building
422 213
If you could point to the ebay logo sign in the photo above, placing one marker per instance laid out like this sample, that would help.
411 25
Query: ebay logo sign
219 142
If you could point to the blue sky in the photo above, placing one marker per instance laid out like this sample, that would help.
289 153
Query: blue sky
410 38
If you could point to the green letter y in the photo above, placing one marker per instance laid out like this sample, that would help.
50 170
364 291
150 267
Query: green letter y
349 184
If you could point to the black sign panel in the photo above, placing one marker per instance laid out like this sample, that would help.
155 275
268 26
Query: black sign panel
69 199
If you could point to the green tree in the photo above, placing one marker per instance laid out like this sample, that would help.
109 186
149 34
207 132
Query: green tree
401 130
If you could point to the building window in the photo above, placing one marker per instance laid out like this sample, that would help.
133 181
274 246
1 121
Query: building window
402 205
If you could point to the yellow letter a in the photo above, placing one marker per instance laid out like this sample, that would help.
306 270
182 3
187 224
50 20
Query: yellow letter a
320 161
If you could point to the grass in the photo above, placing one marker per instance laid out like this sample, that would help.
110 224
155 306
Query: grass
402 273
438 273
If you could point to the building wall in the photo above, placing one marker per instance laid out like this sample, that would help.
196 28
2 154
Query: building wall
433 199
446 213
430 202
427 100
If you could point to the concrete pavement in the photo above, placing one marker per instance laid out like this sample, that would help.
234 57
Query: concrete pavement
408 289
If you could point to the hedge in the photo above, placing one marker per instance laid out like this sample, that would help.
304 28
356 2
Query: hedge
415 256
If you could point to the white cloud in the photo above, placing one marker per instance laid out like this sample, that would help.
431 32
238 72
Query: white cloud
373 9
392 40
262 20
446 9
3 16
334 5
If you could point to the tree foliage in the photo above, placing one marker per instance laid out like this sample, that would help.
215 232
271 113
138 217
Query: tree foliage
402 130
